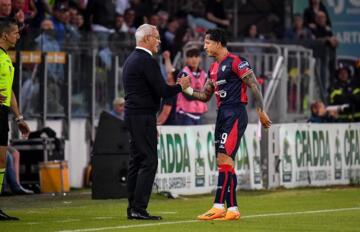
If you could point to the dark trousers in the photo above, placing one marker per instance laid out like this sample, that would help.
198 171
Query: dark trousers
143 159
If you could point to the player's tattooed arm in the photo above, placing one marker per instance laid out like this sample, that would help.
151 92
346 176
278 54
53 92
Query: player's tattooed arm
207 92
252 83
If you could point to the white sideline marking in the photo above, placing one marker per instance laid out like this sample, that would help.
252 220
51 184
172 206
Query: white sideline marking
68 220
32 223
164 212
103 218
301 212
192 221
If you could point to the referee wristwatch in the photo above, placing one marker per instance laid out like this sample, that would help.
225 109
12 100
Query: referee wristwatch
19 118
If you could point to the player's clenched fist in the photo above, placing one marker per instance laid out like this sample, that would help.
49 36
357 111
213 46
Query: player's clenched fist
184 82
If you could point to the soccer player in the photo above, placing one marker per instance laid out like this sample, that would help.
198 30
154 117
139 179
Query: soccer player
229 76
9 35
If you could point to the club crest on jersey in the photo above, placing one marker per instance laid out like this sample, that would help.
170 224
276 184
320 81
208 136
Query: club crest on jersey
223 68
243 65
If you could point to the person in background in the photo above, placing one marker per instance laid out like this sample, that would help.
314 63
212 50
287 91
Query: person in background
310 13
342 92
118 108
298 30
167 113
215 13
12 174
323 32
319 113
189 110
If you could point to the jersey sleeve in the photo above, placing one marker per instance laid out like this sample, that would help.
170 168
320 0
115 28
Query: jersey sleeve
241 67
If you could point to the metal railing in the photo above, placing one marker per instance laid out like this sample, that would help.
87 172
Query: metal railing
91 80
289 84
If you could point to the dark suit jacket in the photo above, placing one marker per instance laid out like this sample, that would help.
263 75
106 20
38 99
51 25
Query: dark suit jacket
144 84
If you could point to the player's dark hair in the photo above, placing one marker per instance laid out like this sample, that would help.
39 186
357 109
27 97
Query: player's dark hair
6 23
193 52
217 35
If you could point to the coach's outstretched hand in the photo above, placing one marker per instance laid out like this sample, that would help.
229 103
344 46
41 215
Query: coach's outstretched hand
184 82
264 119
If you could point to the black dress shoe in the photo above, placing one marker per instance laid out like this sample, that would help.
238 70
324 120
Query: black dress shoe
142 215
128 211
5 217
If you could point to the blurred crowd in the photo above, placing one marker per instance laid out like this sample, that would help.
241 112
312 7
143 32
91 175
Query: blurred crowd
108 24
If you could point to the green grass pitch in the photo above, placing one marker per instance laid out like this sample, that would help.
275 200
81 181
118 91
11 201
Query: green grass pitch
308 209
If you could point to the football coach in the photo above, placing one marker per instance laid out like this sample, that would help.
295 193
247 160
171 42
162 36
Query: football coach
144 86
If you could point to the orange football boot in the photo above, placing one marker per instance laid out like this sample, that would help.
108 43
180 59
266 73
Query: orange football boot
230 215
212 214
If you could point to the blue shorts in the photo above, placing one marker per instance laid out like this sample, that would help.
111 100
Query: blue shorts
230 126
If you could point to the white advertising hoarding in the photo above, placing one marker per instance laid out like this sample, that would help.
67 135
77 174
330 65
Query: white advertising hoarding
187 162
319 154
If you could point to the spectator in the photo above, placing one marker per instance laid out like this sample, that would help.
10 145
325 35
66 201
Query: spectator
141 10
118 108
167 114
215 12
169 35
322 31
59 18
163 19
78 21
298 31
189 110
46 41
120 25
319 113
154 6
311 11
253 36
5 8
73 35
113 48
342 92
101 17
28 8
121 6
154 20
129 18
42 7
12 174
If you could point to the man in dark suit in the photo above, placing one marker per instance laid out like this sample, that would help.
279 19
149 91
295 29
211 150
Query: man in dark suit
144 86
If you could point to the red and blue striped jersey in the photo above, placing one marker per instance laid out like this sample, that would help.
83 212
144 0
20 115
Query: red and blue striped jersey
227 76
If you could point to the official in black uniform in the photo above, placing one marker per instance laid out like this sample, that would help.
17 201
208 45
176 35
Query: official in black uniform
144 86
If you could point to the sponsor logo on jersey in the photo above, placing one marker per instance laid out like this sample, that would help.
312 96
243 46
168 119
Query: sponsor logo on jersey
221 93
223 68
243 65
221 82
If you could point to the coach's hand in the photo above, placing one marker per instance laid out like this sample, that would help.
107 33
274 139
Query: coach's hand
264 119
184 82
